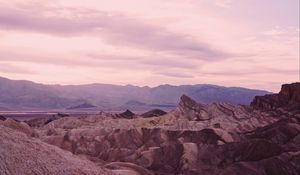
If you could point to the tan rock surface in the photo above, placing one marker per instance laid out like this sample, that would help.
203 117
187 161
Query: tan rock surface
21 154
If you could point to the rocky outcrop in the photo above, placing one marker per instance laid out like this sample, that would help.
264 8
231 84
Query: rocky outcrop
286 129
288 98
127 115
292 92
225 118
18 126
192 109
41 121
2 118
20 154
153 113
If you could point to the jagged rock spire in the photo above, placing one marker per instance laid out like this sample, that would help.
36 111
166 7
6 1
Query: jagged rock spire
186 101
192 110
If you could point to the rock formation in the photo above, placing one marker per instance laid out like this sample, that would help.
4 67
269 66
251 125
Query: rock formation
21 154
2 118
41 121
194 138
288 97
127 114
153 113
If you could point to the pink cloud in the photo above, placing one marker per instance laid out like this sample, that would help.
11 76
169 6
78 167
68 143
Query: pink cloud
117 29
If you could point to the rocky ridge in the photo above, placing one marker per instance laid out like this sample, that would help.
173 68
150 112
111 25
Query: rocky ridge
288 98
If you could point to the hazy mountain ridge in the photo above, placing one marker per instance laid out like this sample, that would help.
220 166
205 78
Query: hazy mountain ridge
19 93
25 94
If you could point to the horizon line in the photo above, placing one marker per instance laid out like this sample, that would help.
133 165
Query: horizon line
124 85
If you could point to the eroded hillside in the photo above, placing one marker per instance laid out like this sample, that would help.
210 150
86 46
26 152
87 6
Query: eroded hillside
194 138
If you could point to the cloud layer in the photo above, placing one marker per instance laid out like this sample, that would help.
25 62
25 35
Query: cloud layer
150 43
114 28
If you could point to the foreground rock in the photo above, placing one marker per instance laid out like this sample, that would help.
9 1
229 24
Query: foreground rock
18 126
20 154
190 152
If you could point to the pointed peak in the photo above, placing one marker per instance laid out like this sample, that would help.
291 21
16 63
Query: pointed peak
187 101
127 114
154 113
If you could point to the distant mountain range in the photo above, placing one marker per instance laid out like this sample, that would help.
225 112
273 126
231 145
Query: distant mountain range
27 95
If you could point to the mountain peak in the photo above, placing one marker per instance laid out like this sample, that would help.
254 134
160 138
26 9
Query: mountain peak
186 101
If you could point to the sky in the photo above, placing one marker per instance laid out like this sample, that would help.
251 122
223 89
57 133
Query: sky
246 43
